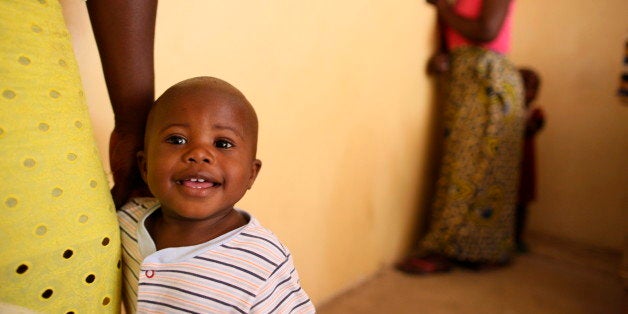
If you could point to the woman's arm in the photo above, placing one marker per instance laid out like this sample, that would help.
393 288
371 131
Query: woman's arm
482 29
124 32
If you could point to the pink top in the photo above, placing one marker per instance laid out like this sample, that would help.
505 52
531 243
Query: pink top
471 9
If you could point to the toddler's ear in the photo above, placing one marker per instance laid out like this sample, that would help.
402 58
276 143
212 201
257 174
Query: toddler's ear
141 163
256 165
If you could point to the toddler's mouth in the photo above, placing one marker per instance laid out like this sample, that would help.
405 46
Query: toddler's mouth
197 183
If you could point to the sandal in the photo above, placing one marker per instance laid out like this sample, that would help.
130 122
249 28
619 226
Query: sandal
424 265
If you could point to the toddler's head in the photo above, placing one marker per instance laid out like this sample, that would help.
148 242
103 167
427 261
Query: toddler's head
199 154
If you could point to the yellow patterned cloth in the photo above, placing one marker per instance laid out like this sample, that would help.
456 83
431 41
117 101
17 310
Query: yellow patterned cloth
473 210
60 244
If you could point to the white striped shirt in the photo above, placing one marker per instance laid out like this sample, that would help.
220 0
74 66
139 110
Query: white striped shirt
244 271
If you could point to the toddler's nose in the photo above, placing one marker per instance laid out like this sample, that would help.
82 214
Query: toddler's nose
199 154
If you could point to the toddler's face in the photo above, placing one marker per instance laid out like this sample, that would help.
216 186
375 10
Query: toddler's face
199 158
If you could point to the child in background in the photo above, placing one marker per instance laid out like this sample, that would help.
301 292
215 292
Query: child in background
534 123
188 249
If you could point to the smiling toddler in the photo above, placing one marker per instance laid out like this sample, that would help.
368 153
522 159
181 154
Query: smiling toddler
188 249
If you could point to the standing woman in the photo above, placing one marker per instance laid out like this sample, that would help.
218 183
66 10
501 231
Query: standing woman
473 209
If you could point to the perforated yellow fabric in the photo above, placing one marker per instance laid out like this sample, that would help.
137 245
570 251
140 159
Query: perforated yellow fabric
60 247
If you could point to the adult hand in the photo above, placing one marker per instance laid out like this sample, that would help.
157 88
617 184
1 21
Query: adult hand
123 148
438 63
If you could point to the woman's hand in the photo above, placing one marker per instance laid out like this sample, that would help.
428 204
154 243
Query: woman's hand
438 63
123 148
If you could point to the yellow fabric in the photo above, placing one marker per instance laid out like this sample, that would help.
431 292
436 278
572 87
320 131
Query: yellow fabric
60 244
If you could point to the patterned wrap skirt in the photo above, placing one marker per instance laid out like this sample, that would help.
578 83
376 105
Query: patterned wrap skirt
59 237
472 215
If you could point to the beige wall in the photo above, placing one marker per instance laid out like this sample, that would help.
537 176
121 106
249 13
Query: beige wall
345 111
347 117
578 46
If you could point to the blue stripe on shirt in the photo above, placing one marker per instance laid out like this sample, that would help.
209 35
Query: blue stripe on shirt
273 292
285 298
266 240
249 252
232 266
206 278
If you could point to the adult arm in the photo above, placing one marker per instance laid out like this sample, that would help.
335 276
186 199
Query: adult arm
482 29
124 32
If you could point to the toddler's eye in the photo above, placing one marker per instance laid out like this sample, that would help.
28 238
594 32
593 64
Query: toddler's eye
223 144
177 140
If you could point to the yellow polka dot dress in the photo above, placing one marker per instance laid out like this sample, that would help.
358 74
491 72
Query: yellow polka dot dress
59 238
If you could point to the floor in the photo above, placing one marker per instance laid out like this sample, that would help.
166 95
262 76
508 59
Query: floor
555 277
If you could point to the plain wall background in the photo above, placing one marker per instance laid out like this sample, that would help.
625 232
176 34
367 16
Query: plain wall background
348 119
